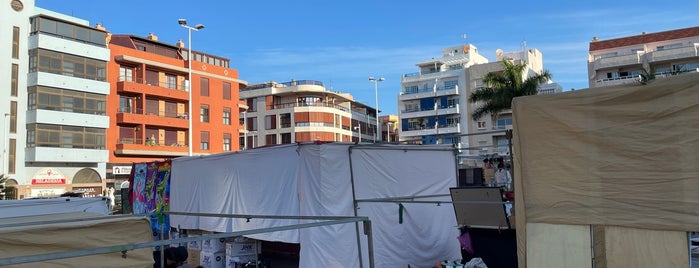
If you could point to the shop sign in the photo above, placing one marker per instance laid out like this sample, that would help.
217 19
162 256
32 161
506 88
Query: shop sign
121 170
89 191
48 176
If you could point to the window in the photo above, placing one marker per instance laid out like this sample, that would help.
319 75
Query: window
12 156
204 114
285 120
271 121
204 144
58 136
504 122
252 124
14 82
64 100
204 87
481 125
125 73
252 103
452 103
13 117
227 116
41 60
271 139
286 138
171 81
452 121
412 107
69 31
15 43
226 91
451 84
226 141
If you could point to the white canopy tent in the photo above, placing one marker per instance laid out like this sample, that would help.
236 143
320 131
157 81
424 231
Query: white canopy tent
325 180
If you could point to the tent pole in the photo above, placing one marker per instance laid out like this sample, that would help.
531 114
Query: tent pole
354 204
508 134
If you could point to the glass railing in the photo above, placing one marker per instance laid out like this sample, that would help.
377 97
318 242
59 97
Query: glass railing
294 104
164 83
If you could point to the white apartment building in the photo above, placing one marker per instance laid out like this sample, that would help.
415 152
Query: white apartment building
434 108
623 60
302 111
57 109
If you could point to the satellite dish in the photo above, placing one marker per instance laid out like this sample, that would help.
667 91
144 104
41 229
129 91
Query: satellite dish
498 53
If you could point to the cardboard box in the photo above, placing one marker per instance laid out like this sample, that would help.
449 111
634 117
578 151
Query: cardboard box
231 261
194 244
212 259
193 257
242 248
213 245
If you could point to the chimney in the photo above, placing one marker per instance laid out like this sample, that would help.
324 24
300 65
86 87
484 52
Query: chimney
180 44
643 33
594 39
152 36
100 27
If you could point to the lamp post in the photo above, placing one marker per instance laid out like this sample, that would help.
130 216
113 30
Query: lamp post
183 23
359 128
376 94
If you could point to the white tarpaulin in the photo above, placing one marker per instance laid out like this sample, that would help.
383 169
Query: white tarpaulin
316 180
31 207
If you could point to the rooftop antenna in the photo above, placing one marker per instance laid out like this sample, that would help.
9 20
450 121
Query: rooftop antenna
524 51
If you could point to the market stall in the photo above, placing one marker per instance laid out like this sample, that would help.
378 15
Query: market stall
608 176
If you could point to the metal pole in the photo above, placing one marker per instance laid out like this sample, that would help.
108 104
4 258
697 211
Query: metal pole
355 206
376 94
189 61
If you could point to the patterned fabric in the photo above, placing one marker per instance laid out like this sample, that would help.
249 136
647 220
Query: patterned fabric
150 192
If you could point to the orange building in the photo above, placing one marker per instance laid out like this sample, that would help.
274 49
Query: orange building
148 104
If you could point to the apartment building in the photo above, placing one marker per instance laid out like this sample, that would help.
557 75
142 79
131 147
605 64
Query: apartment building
623 60
149 103
55 102
301 111
434 108
14 65
389 128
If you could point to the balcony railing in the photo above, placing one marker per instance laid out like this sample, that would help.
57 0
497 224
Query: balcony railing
295 104
148 142
164 83
162 114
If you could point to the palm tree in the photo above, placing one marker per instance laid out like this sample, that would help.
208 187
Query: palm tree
504 86
3 180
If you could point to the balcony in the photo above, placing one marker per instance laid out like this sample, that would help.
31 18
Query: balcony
131 146
617 81
454 109
423 131
673 53
428 92
296 104
136 116
618 61
161 89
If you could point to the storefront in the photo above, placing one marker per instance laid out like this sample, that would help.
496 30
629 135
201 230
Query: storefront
47 182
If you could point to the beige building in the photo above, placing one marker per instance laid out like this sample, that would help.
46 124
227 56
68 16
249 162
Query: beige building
624 60
302 111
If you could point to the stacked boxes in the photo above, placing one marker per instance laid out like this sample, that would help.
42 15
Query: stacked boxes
213 253
241 251
193 250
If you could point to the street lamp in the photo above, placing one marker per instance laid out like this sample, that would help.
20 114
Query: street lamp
359 128
183 23
376 94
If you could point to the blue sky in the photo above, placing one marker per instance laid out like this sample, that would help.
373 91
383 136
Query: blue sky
342 43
